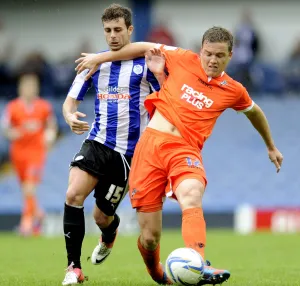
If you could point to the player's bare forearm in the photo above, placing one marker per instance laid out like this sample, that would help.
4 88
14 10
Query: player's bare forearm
51 131
72 116
12 133
260 123
69 107
128 52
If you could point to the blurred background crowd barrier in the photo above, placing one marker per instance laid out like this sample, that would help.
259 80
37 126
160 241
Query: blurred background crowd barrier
244 190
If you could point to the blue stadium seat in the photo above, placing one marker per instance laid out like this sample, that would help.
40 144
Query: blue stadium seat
267 79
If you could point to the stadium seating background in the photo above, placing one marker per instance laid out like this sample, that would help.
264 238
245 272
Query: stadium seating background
235 158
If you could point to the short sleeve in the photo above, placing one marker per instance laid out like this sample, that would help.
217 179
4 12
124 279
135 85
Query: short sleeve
80 86
172 54
244 102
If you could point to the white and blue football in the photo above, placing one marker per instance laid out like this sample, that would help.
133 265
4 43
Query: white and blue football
185 266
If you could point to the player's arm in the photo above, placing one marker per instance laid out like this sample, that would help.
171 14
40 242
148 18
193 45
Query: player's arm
156 62
9 131
128 52
51 130
72 116
75 95
260 123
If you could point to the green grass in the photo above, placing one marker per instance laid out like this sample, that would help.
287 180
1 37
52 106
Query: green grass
259 259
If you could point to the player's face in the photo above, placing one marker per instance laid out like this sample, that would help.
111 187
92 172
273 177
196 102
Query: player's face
214 58
117 34
29 86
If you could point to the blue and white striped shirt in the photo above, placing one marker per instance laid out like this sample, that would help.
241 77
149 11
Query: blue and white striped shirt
121 88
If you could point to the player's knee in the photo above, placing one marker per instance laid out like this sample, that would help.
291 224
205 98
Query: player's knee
150 239
29 188
75 197
189 194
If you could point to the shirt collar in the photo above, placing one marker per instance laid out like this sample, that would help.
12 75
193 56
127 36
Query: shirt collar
209 78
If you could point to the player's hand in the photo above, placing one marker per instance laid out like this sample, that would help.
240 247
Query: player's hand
14 134
87 61
50 137
276 158
31 126
155 60
76 125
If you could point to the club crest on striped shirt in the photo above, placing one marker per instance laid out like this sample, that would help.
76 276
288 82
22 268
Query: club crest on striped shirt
137 69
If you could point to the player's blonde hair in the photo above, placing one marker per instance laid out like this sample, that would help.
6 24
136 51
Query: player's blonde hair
116 11
218 35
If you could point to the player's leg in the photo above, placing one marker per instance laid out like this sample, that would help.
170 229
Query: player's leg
108 224
28 169
29 207
189 194
109 193
83 178
25 225
81 184
188 178
149 243
34 176
147 183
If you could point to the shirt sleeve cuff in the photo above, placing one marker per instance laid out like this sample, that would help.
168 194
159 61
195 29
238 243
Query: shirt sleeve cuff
247 109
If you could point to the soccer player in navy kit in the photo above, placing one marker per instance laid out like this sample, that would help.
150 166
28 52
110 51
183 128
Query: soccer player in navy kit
103 162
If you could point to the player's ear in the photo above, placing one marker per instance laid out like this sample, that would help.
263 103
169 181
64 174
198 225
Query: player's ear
130 30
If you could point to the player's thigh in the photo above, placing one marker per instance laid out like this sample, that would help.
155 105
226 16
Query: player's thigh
187 176
189 192
81 184
34 168
147 180
20 170
113 185
19 164
87 167
29 169
109 194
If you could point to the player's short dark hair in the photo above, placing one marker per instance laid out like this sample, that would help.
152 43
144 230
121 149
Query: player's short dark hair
218 35
116 11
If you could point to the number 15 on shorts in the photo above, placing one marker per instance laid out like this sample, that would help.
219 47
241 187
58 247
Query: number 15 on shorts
115 194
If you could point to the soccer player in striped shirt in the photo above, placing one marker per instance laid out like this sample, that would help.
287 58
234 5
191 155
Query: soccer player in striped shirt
103 162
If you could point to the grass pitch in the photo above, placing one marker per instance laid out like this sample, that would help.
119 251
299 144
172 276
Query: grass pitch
258 259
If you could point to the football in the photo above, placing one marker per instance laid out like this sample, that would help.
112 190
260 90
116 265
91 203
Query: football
185 266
